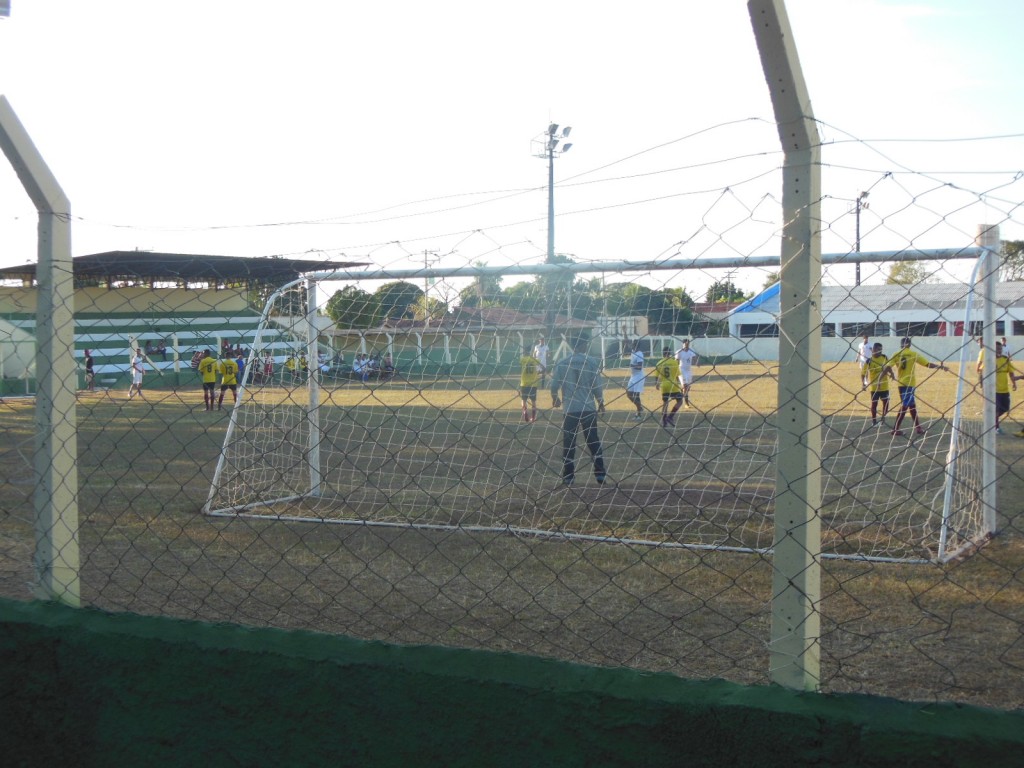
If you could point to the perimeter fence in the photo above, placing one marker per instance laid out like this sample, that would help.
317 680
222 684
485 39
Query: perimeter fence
413 499
382 477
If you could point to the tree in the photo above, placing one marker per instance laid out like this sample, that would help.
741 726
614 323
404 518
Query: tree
435 309
907 273
771 279
557 288
586 298
1012 258
526 297
396 301
618 298
352 307
682 310
484 292
724 291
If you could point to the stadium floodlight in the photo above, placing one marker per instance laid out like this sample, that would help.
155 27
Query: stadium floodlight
550 141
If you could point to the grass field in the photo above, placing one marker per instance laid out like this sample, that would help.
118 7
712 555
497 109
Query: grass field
926 632
458 453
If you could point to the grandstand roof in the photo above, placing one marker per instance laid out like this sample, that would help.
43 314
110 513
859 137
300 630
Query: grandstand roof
183 268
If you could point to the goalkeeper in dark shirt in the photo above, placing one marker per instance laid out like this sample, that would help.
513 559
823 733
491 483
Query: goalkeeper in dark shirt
576 386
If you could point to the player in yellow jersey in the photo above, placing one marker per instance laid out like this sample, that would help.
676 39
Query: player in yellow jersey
228 370
529 378
667 371
904 365
1006 375
875 374
208 370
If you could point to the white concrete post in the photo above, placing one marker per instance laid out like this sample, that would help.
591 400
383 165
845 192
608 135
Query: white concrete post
988 238
56 557
313 384
794 653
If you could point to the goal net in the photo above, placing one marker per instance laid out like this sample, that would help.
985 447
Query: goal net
417 418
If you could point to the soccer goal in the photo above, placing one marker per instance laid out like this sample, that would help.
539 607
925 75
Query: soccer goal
420 422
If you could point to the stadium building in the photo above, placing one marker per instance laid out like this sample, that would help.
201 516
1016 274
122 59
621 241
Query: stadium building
170 305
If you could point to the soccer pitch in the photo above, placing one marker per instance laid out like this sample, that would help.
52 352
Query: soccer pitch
145 466
457 452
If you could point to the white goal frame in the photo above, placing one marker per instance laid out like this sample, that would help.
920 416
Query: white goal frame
306 329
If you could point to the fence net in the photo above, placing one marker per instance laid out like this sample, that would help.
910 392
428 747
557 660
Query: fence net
458 526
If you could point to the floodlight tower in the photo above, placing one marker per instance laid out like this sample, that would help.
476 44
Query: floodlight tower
550 140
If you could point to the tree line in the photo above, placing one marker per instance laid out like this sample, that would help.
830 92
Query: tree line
669 311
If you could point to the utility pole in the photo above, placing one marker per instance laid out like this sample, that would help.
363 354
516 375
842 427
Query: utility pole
859 204
429 257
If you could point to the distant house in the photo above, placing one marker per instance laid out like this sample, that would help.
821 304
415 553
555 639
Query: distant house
926 309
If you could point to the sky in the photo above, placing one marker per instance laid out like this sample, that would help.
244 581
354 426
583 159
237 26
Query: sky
402 133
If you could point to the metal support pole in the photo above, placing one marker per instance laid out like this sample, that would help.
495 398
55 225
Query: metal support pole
551 201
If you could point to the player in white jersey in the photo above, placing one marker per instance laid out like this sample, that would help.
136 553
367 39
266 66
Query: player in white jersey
864 354
540 351
687 359
637 380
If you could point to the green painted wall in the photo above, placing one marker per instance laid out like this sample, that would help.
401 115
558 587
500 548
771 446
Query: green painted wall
80 687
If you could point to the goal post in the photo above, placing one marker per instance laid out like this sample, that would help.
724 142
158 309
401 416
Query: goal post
439 440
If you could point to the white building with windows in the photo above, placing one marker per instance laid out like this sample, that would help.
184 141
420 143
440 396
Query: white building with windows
927 309
933 314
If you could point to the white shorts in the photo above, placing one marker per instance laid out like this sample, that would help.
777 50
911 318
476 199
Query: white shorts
686 377
137 378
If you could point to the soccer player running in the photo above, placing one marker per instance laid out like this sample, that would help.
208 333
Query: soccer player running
576 387
529 377
669 378
875 373
637 380
208 371
228 370
1006 375
687 359
904 364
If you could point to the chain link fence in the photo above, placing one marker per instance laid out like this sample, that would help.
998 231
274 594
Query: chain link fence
379 454
420 500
